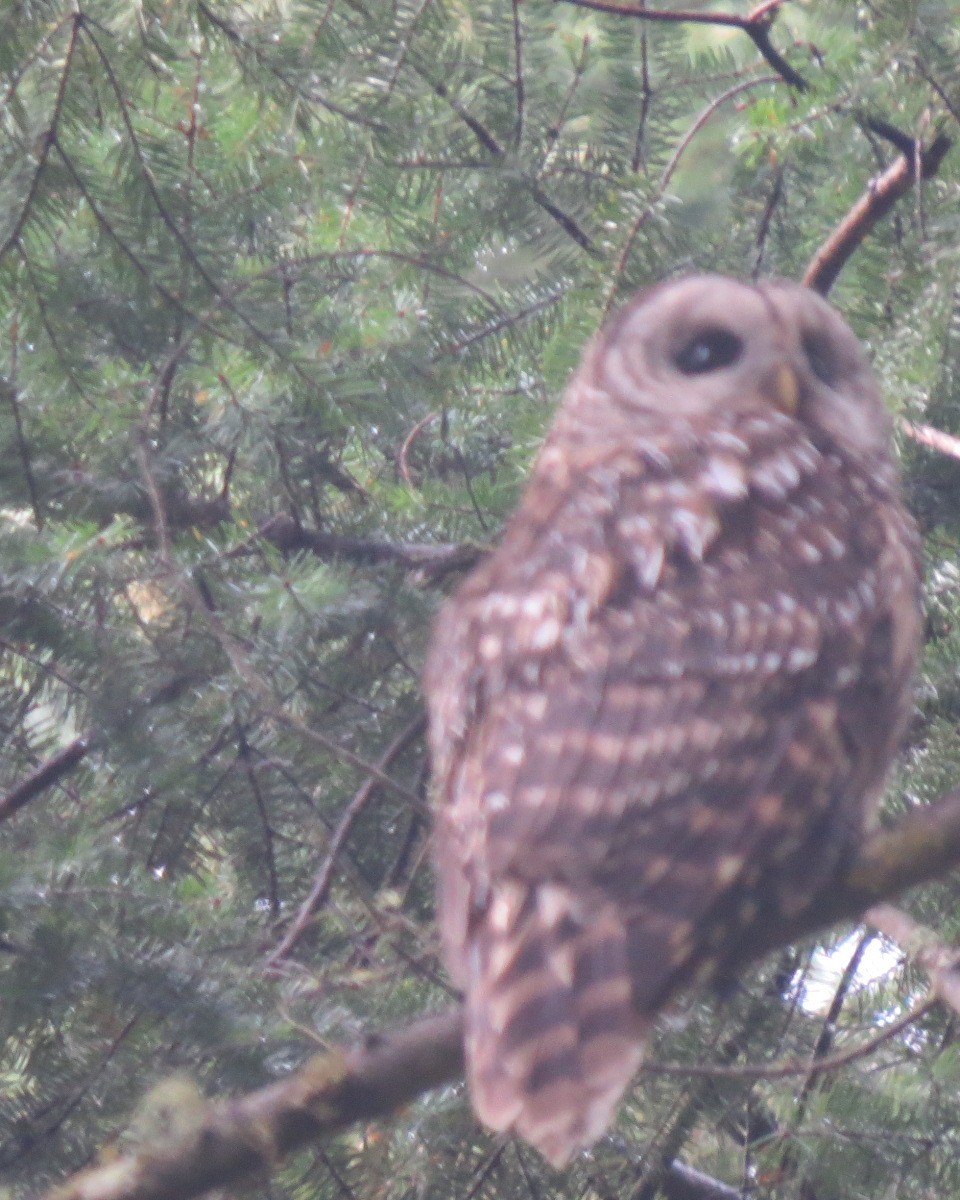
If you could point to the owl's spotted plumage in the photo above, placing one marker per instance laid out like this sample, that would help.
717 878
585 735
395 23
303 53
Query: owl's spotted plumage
663 709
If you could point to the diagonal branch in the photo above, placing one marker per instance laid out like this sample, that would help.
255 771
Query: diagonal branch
44 776
235 1138
924 947
934 439
879 198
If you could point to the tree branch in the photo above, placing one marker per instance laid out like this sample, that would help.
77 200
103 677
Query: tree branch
922 946
235 1138
879 198
756 25
934 439
681 1182
321 883
230 1140
46 775
287 534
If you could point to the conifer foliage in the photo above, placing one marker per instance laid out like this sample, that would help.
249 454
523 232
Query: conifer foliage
286 292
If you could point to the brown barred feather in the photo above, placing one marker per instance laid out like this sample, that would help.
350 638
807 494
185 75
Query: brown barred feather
663 709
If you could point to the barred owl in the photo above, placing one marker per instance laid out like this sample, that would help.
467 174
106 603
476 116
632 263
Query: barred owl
662 710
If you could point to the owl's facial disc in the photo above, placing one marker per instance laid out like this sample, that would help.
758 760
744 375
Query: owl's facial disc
705 344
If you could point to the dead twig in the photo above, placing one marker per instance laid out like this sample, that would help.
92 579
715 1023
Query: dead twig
799 1067
408 441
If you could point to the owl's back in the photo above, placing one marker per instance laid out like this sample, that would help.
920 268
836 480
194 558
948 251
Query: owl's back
661 712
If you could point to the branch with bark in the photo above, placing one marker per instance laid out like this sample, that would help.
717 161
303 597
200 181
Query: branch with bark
44 776
235 1138
286 534
878 199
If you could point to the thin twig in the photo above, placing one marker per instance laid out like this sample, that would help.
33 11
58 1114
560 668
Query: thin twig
408 441
798 1067
23 445
518 83
48 138
321 883
273 886
673 162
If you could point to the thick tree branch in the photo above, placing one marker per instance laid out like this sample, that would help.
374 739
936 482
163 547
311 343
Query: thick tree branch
879 198
43 777
235 1138
922 846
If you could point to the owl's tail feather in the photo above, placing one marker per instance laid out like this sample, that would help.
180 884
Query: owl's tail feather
552 1036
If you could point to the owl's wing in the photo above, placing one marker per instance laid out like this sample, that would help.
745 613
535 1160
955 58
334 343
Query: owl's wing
633 780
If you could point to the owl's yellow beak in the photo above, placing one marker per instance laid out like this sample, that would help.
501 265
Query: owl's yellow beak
785 389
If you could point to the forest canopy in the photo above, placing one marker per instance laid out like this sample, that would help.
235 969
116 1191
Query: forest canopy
288 292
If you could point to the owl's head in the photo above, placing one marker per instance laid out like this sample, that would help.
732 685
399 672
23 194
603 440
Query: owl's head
706 344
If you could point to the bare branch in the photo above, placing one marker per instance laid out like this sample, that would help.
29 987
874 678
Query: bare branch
879 198
321 883
45 776
935 439
681 148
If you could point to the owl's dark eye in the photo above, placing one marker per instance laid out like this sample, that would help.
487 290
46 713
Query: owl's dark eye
708 350
821 356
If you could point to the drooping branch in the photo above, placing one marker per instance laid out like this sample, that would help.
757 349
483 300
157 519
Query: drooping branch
756 25
235 1138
